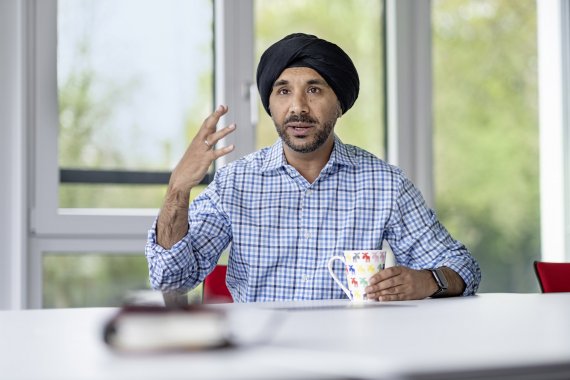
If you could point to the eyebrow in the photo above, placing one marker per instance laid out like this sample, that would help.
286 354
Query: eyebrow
282 82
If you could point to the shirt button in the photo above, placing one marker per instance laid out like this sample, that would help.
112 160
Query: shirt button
308 192
307 235
306 277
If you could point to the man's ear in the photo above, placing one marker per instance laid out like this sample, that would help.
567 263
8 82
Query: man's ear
338 110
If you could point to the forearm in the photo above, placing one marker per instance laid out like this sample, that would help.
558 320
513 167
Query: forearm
455 284
172 222
173 219
462 271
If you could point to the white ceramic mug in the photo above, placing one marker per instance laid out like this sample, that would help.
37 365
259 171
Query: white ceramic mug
359 266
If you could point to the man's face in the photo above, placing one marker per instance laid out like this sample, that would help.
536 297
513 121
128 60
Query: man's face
304 109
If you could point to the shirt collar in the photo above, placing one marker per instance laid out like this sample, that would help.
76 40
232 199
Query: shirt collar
275 158
341 154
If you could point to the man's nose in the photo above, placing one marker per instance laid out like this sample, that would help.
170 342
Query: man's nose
299 104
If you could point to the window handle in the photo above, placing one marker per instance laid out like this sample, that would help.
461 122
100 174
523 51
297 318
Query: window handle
251 94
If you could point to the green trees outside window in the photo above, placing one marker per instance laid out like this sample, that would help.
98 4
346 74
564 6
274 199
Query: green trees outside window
486 134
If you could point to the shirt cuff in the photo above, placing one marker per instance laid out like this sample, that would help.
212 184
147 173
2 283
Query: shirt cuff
176 259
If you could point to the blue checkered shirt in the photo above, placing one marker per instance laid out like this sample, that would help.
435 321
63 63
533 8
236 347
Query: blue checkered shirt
283 229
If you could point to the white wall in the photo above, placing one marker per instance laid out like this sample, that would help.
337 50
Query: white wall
12 158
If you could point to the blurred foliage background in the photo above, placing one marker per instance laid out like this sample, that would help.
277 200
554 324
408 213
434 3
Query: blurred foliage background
485 135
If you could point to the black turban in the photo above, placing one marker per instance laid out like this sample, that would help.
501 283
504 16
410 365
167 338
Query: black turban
304 50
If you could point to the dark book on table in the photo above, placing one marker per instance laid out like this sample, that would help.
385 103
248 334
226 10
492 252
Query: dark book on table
140 328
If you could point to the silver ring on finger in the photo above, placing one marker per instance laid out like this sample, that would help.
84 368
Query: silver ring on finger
207 144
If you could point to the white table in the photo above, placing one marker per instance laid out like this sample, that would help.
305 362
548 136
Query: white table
489 335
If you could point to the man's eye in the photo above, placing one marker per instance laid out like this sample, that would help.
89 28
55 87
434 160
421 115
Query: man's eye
314 90
283 91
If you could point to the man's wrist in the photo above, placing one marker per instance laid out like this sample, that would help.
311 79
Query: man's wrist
432 288
455 284
177 197
441 282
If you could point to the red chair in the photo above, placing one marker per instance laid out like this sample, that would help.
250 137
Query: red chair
553 277
214 287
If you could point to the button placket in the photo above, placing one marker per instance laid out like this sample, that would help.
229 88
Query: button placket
307 228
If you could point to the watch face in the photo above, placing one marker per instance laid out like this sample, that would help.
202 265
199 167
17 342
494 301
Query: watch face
441 282
441 279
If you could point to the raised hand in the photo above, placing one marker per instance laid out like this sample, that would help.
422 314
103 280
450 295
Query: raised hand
201 153
173 219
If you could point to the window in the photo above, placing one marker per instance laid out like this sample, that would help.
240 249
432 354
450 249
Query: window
486 135
91 279
133 89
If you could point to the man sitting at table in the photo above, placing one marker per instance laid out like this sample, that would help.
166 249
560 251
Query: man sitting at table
286 209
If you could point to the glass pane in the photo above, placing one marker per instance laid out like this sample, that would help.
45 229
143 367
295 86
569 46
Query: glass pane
135 79
95 279
486 134
115 196
91 279
355 26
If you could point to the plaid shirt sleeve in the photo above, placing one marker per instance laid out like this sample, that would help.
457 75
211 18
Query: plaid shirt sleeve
189 261
420 241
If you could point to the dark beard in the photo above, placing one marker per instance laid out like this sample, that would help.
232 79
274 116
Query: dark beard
320 138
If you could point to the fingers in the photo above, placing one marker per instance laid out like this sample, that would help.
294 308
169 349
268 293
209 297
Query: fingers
393 287
223 151
386 284
213 138
211 121
377 281
396 293
209 136
391 284
392 297
201 152
216 115
400 283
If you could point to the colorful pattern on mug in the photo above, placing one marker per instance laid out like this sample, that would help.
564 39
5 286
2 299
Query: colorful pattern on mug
360 266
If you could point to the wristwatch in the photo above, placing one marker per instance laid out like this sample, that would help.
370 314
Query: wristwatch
441 282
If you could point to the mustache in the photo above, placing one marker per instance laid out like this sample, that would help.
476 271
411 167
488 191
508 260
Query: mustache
300 119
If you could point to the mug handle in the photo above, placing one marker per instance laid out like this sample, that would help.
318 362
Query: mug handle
335 278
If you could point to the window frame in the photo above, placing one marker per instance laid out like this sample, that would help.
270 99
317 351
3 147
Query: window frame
553 24
409 92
